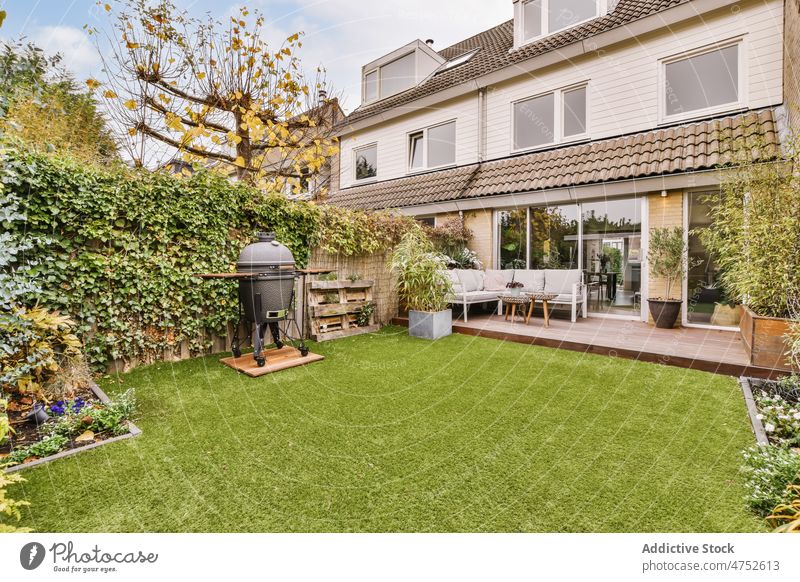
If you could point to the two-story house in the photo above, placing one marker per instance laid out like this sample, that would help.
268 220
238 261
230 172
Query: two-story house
565 134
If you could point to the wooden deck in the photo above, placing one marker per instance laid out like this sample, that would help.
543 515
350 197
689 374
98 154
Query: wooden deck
720 352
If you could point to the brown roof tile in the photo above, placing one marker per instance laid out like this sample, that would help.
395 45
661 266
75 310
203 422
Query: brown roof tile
703 145
495 52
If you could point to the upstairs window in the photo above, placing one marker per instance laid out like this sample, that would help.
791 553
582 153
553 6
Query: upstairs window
550 118
371 86
391 78
433 147
543 17
705 82
366 162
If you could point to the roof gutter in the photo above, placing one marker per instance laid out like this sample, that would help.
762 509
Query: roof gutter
638 186
657 21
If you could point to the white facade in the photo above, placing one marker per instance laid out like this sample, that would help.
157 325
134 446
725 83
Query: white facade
626 90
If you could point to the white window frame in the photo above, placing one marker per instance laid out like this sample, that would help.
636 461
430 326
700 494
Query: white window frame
602 9
377 71
558 118
379 82
356 179
424 132
743 72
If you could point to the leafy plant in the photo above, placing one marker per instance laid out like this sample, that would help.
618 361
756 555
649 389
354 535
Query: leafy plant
50 445
334 276
5 425
786 517
788 388
754 231
364 315
451 237
354 277
37 345
769 471
10 508
76 417
464 259
667 257
423 282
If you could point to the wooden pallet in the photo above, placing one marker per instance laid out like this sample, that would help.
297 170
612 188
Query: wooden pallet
277 360
334 307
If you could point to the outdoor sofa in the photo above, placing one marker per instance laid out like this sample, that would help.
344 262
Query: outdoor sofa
472 286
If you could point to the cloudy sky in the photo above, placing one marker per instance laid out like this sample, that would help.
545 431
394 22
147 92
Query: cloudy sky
341 35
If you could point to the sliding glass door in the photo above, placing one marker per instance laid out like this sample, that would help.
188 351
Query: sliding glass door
707 304
602 238
554 237
612 255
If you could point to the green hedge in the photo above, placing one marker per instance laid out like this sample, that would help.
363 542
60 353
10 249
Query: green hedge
117 248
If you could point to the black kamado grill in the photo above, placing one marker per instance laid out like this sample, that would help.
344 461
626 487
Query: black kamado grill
266 273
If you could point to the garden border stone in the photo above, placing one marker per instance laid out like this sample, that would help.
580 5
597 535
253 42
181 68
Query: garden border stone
752 410
133 432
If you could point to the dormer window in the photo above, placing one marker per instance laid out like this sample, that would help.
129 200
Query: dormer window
399 71
539 18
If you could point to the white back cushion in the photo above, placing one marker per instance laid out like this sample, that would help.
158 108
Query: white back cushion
470 279
557 281
496 280
457 287
532 280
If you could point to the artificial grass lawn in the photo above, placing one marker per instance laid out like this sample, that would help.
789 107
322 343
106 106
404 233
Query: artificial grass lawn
391 433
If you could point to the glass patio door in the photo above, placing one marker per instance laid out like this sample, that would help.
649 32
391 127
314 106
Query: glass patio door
612 255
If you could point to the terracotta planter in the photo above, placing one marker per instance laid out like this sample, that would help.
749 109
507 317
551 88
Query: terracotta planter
764 340
665 313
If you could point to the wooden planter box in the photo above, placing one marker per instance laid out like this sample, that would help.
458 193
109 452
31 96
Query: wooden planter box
334 308
764 340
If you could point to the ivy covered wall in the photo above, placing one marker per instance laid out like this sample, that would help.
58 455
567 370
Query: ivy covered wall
118 249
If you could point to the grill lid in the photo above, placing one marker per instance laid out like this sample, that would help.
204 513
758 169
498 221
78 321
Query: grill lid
267 254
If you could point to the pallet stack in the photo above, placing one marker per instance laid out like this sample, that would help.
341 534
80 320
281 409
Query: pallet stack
335 306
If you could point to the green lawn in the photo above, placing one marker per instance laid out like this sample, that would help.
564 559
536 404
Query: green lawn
391 433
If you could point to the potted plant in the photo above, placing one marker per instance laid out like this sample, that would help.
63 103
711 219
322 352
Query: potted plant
514 287
668 260
424 286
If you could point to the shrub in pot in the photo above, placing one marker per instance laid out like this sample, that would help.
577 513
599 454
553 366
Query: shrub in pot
423 285
668 260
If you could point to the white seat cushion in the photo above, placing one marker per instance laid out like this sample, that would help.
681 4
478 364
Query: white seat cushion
534 281
557 281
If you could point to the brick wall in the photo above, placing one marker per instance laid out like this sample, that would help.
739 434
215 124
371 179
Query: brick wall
480 223
791 62
371 267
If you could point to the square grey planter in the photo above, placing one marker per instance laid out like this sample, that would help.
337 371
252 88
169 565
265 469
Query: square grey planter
432 326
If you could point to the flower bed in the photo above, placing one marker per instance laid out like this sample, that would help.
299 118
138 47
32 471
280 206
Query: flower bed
85 421
772 468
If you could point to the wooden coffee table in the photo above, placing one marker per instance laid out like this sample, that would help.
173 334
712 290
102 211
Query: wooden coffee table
511 302
544 299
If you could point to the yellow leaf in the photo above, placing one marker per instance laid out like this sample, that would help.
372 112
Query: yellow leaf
86 437
132 45
132 131
201 75
130 104
240 162
107 7
93 83
110 94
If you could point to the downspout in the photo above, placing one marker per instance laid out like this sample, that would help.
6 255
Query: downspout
482 119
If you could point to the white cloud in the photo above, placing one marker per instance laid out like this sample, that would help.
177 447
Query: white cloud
343 35
79 54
